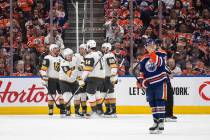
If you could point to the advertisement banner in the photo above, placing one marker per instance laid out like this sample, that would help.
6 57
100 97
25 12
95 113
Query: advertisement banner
188 91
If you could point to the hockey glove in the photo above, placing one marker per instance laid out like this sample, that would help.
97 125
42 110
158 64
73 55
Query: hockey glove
113 79
81 67
81 83
139 83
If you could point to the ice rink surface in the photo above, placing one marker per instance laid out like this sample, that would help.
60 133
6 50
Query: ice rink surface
125 127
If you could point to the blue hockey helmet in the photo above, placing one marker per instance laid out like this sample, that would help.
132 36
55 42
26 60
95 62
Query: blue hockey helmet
149 42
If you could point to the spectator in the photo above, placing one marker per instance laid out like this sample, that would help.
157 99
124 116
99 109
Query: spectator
56 39
175 70
20 69
114 32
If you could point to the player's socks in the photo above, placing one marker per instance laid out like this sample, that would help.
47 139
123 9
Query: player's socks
108 109
50 106
113 110
68 110
99 110
84 107
77 113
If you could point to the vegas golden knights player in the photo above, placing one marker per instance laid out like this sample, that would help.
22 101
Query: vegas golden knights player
110 66
93 74
50 77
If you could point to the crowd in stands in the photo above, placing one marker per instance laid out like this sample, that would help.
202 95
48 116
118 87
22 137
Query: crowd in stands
185 32
31 33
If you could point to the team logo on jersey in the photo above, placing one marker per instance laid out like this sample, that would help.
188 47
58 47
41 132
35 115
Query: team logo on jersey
204 93
57 66
150 66
65 69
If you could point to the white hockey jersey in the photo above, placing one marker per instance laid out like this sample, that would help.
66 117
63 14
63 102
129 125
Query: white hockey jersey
94 65
51 67
110 64
68 70
80 58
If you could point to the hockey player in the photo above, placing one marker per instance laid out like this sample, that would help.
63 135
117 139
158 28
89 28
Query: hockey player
80 66
110 66
153 78
68 80
50 77
94 74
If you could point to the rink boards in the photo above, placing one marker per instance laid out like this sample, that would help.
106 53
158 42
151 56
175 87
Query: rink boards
26 95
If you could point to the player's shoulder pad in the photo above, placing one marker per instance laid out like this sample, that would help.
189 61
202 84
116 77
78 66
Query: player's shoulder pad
145 56
47 56
161 51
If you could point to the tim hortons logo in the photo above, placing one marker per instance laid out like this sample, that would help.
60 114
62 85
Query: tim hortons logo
203 93
33 94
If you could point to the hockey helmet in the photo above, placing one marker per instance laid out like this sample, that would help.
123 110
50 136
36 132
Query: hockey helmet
53 46
104 45
84 46
91 44
149 42
67 52
109 46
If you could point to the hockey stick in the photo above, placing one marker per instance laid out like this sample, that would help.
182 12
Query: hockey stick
72 96
137 77
57 105
79 86
105 96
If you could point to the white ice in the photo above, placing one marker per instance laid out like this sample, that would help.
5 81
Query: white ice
125 127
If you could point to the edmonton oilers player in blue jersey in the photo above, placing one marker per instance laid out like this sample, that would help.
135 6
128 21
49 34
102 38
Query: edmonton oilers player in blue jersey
153 78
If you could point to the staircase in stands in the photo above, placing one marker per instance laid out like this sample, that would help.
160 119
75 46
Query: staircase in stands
98 21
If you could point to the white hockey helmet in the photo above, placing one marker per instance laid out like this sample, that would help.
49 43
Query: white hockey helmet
108 46
53 46
104 45
91 44
67 52
84 46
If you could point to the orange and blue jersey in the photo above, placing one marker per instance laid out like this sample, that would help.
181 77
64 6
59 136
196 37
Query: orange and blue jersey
152 70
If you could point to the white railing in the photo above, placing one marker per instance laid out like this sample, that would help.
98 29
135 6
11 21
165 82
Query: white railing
84 21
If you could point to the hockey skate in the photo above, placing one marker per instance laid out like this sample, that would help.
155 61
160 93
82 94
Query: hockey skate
62 113
110 113
99 110
78 114
113 113
161 127
50 113
171 119
154 129
86 115
107 114
157 128
68 113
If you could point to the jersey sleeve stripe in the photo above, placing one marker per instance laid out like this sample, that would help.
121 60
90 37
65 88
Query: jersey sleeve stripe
88 68
44 68
113 65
